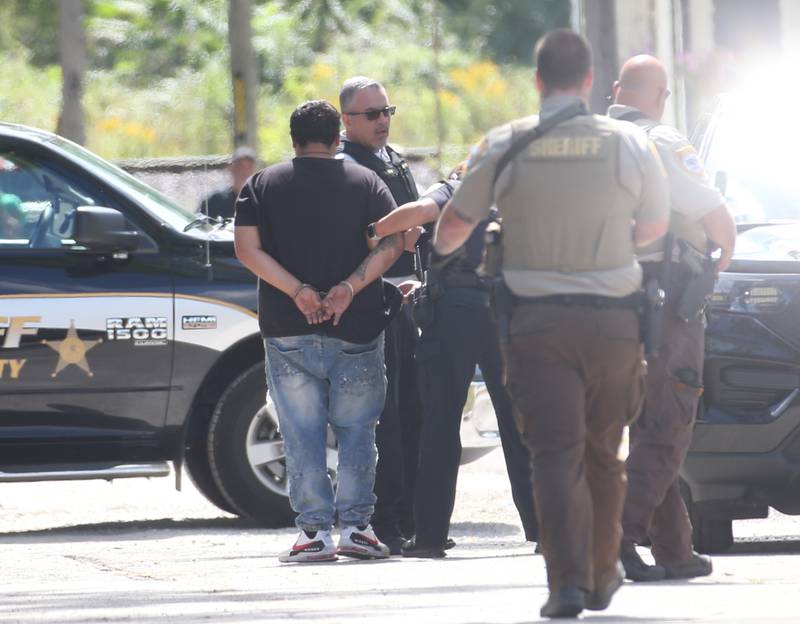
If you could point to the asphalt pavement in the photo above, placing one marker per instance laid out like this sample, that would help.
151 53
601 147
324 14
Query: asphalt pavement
137 551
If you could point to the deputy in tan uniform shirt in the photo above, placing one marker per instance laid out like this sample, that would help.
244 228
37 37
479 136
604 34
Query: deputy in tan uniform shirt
574 204
660 439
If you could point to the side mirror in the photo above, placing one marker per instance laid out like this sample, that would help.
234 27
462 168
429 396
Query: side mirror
103 229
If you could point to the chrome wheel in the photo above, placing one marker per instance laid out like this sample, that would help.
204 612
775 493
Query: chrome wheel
266 455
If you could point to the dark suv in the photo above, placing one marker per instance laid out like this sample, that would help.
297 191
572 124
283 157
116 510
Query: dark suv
745 456
129 337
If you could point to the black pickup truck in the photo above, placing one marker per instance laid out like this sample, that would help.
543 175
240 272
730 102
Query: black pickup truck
129 338
745 457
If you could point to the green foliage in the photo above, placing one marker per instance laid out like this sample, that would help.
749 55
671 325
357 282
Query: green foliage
504 30
29 94
158 38
158 81
475 96
34 25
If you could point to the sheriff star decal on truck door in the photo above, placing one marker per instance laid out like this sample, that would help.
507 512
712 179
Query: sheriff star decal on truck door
72 350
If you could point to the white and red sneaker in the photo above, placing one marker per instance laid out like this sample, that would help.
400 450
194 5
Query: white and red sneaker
361 543
311 546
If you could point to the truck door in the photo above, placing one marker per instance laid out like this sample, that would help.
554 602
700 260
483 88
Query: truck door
85 338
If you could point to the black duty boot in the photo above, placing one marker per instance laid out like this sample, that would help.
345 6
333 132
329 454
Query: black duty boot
394 542
411 549
391 536
600 598
567 602
698 565
636 569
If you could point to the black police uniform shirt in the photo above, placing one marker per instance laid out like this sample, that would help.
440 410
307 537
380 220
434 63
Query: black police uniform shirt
220 203
394 170
312 215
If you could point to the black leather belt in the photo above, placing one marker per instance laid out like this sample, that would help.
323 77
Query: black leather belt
631 302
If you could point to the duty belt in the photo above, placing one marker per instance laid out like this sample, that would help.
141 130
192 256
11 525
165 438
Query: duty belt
631 302
464 280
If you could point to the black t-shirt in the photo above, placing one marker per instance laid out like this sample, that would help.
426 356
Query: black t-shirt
312 215
220 203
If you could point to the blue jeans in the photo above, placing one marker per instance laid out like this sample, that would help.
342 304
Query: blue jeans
316 381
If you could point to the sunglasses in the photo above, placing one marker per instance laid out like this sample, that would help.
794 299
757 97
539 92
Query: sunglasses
372 115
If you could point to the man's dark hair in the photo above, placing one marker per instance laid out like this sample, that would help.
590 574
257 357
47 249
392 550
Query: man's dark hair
563 58
316 121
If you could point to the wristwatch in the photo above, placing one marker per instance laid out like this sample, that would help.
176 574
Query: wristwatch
371 234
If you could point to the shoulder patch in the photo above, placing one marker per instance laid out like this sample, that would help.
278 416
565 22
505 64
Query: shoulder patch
689 160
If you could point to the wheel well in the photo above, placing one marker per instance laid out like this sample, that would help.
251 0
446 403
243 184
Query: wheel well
233 362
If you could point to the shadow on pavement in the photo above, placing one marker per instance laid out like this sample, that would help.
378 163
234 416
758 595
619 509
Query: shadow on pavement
120 530
484 529
133 529
777 545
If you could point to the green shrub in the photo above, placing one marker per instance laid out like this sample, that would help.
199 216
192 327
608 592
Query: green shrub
190 113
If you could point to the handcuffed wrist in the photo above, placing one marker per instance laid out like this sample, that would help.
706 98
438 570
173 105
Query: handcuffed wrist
299 289
350 286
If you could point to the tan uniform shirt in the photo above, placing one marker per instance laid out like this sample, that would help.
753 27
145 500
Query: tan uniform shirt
637 161
692 194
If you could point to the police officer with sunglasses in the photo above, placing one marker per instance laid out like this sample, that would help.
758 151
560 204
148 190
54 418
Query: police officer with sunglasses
367 115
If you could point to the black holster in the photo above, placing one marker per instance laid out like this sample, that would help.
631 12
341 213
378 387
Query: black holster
424 297
654 297
701 270
502 303
492 260
651 315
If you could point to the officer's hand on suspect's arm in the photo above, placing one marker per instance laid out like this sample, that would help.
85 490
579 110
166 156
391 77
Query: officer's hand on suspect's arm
309 303
411 238
338 300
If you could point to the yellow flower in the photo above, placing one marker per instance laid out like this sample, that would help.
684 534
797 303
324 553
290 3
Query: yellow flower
109 124
321 73
481 78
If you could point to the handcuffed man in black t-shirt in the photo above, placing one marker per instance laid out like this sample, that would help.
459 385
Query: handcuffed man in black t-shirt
300 228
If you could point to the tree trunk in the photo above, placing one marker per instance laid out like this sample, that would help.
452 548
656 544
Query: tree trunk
600 23
243 73
72 52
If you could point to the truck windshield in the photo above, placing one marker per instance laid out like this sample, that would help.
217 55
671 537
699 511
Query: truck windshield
752 155
158 205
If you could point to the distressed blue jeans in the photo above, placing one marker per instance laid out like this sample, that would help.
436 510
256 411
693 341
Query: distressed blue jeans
316 381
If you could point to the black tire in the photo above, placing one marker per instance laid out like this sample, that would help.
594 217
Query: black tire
709 535
240 419
197 466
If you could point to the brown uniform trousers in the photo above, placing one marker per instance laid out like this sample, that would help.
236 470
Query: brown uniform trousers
661 438
575 374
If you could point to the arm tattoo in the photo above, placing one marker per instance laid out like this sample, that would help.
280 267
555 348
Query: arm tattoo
386 244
